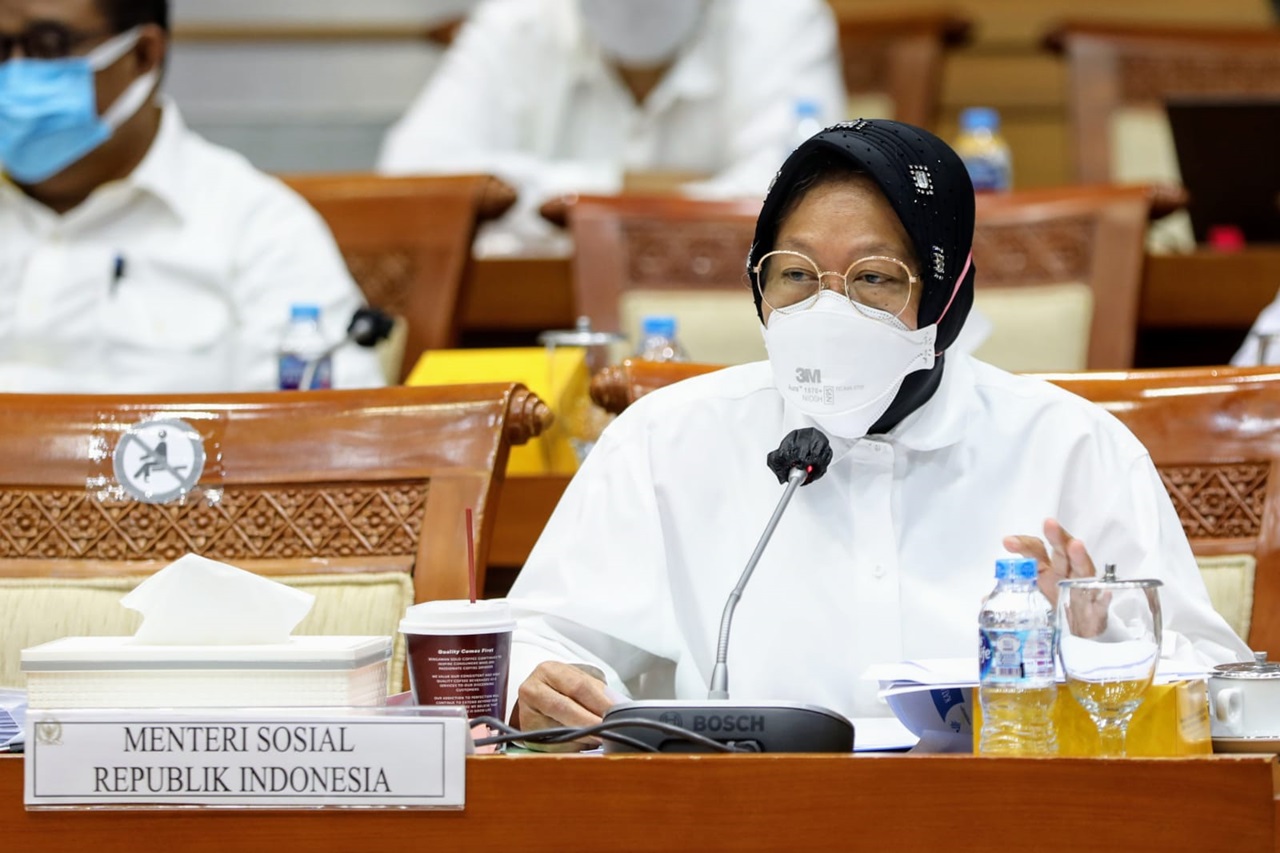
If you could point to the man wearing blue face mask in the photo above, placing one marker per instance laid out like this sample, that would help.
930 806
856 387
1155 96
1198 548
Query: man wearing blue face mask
135 256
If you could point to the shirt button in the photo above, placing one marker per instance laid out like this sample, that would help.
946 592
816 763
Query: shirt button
878 571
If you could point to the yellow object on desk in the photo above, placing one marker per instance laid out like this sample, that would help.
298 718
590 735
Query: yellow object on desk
559 377
1173 720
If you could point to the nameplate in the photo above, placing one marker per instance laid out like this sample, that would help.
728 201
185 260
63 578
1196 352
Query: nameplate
401 757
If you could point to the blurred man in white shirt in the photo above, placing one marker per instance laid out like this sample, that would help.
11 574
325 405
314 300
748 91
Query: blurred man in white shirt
565 96
135 256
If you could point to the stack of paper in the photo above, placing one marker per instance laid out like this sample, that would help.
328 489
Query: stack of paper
13 713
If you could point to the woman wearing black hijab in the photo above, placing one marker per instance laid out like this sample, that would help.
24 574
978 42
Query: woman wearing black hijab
862 276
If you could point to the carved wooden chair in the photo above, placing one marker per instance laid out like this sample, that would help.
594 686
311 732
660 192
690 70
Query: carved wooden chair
1060 275
892 62
357 496
1062 264
407 241
1118 78
1214 435
637 255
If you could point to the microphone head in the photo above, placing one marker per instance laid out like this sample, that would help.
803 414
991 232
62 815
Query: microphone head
804 448
369 326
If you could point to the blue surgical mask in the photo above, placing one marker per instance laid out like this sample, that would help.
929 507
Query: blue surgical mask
48 109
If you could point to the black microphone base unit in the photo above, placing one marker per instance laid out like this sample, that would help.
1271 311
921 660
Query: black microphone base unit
758 727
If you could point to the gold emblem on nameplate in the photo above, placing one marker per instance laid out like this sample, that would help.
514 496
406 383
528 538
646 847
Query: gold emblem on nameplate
49 733
159 461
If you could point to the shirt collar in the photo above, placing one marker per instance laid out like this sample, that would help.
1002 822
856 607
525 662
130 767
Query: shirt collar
161 172
942 420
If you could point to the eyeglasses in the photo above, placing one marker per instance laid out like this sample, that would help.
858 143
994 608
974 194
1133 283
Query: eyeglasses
46 40
790 281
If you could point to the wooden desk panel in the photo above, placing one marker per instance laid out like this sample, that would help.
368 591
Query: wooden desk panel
742 803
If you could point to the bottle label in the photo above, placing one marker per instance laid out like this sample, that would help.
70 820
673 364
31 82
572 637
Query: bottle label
1012 656
986 175
292 368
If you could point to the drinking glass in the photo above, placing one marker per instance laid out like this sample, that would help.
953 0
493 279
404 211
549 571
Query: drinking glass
578 419
1109 644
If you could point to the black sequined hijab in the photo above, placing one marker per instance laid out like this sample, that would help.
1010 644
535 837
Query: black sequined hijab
928 187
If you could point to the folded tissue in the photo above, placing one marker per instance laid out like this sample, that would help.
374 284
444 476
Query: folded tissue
212 635
197 601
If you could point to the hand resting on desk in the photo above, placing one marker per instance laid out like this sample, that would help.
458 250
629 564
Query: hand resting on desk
560 694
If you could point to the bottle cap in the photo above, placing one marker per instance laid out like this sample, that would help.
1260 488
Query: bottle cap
1016 568
659 325
1225 238
979 118
807 108
304 311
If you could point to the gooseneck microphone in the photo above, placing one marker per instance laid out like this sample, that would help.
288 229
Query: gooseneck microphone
801 458
368 328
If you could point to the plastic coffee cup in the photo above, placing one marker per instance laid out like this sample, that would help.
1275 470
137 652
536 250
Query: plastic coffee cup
460 654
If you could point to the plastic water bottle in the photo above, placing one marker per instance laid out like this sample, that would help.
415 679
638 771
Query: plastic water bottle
658 340
304 343
808 121
984 151
1017 689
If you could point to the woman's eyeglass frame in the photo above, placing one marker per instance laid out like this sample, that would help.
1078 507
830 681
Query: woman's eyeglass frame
913 281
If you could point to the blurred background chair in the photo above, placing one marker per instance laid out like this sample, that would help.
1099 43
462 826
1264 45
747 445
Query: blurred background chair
407 242
892 61
1119 76
1060 274
356 496
641 255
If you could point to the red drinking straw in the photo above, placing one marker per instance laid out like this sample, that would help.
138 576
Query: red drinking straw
471 557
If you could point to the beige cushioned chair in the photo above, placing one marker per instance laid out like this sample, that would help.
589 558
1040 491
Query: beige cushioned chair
356 496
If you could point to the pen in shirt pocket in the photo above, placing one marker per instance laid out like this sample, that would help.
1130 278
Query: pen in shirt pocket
117 273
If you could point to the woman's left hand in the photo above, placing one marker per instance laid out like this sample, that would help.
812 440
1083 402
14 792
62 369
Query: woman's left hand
1066 557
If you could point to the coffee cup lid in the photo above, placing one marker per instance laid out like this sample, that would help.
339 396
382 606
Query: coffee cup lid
488 616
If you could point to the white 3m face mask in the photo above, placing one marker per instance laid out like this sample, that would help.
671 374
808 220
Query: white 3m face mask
641 33
842 365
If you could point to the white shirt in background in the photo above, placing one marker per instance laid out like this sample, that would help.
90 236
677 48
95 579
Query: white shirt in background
1262 345
176 279
884 559
527 95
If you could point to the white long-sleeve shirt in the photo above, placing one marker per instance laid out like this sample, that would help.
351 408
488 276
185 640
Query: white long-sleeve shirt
886 558
178 278
527 95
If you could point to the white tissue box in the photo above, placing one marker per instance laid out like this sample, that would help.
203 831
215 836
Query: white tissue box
119 672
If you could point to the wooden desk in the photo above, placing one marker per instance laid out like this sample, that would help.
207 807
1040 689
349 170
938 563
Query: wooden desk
741 803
